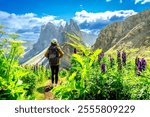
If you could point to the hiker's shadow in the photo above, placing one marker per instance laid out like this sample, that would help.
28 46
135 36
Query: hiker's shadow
44 89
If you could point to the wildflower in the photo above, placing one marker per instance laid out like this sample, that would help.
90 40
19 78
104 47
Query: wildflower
118 56
143 64
103 68
136 61
100 56
119 60
139 65
111 61
124 58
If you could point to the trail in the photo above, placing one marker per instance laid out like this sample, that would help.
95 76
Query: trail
45 90
48 95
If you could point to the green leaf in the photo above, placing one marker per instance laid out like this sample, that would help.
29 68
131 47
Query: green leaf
72 76
79 59
94 56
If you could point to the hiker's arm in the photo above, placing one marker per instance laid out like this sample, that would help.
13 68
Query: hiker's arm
61 53
46 54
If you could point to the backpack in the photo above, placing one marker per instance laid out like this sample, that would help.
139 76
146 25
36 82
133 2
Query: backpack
53 55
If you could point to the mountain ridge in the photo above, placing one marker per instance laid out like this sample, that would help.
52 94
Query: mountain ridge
50 31
133 32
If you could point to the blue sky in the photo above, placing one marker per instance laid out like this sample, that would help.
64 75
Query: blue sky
67 8
26 16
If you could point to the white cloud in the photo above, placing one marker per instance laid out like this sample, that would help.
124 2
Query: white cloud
145 1
94 22
142 1
28 24
137 1
83 16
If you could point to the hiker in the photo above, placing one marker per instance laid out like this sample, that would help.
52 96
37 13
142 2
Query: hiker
54 53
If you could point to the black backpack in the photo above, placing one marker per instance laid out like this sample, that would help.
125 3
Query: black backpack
53 55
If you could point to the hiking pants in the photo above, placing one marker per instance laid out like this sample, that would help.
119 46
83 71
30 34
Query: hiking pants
55 70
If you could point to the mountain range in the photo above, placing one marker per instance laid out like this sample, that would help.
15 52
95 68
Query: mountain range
132 33
50 31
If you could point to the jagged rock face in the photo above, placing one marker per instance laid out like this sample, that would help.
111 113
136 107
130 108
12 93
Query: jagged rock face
50 31
71 28
131 33
68 50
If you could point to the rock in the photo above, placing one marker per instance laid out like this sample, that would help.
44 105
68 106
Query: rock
48 32
130 33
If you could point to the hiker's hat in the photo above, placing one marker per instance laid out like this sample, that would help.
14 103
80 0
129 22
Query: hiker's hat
54 41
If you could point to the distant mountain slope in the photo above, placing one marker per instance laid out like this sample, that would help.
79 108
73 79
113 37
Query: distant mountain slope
37 59
88 39
134 32
48 32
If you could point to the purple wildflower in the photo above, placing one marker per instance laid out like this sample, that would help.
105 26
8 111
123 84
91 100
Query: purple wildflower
118 56
124 58
136 61
139 65
119 60
103 68
100 56
111 61
143 64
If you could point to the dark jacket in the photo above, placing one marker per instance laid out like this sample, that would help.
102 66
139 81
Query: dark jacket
60 52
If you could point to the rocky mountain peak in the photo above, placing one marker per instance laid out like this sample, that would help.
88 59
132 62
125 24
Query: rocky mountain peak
50 31
130 33
72 26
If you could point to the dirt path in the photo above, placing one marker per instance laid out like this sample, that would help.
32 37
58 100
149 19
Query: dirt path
43 91
48 95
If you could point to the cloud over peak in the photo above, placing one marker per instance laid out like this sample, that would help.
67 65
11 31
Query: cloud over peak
104 16
96 21
29 25
26 24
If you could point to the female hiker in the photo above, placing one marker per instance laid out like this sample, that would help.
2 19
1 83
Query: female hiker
54 53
